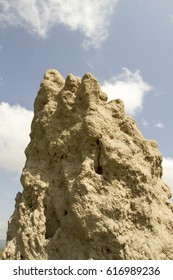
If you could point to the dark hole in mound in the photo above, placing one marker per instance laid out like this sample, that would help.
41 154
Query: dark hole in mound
99 170
65 212
108 250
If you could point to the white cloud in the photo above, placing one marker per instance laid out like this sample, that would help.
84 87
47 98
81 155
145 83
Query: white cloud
159 125
15 124
91 17
129 87
167 165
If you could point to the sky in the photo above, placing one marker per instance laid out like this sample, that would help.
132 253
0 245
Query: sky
126 45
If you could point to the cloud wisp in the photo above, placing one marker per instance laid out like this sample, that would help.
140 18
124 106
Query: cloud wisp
15 124
159 125
128 86
151 124
1 80
91 17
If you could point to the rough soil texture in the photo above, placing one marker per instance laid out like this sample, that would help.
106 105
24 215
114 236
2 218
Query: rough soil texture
92 186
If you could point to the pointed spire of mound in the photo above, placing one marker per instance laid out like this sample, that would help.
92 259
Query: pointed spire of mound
92 186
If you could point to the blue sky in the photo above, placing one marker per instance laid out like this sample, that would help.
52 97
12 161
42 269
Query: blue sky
127 45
